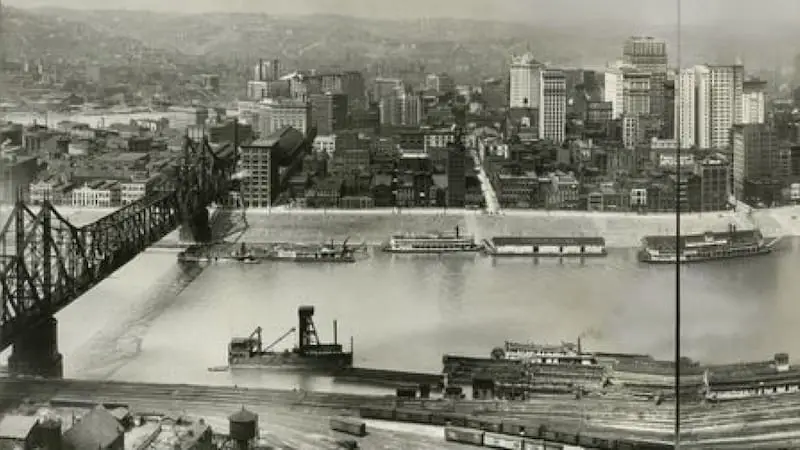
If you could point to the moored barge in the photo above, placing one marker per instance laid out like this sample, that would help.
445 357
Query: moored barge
546 246
432 243
309 355
252 254
708 246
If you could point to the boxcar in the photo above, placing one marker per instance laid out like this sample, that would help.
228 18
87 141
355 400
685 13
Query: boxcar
349 425
553 446
513 426
377 412
589 441
550 435
533 444
495 440
634 444
463 435
571 447
454 419
412 415
563 437
485 423
534 430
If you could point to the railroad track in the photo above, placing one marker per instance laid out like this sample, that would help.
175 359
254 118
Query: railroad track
716 421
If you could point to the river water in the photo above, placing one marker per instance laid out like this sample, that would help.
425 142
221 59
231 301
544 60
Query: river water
156 321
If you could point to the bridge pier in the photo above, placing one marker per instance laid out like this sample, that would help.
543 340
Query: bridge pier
36 353
197 229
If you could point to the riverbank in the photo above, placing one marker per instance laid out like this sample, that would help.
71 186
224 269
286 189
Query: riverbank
375 226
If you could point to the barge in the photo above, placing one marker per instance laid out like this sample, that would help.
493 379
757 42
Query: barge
432 243
708 246
253 254
309 355
546 246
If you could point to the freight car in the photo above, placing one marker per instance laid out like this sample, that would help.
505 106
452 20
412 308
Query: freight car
503 441
533 435
349 425
463 435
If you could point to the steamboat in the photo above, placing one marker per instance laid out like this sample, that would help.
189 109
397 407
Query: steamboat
309 355
432 243
707 246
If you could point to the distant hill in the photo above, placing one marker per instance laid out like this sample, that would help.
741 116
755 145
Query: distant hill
468 49
34 35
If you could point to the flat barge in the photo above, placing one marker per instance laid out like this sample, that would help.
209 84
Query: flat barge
309 355
391 378
546 246
708 246
254 253
433 243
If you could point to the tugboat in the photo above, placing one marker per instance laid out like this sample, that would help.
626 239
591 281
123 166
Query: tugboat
309 355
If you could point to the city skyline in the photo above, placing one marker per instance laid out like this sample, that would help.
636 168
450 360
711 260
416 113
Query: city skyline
761 16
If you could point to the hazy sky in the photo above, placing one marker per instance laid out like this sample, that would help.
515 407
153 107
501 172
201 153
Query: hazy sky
645 12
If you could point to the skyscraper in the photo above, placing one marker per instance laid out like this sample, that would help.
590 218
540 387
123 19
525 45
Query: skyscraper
613 91
553 106
725 103
686 108
648 54
753 101
637 93
524 86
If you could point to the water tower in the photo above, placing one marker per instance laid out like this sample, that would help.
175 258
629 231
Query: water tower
243 428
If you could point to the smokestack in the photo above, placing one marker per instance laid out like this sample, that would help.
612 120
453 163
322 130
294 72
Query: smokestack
260 70
335 332
579 345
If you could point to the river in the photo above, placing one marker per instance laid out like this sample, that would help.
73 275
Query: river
155 321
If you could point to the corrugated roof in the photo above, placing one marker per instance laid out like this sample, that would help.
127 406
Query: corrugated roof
97 429
16 426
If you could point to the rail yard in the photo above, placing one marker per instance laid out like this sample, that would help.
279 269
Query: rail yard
301 416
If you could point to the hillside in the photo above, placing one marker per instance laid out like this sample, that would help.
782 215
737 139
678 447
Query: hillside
468 49
35 35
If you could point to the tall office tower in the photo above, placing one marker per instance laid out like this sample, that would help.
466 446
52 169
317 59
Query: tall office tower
702 124
686 108
525 77
637 93
757 156
753 101
553 106
267 70
614 91
725 103
649 54
328 112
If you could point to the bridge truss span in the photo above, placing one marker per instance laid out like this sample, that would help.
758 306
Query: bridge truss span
46 262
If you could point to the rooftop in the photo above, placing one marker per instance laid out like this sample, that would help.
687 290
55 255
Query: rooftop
97 429
16 426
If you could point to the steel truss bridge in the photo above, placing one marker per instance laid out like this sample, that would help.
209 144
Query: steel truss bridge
46 262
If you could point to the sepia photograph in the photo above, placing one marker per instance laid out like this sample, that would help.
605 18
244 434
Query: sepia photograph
416 225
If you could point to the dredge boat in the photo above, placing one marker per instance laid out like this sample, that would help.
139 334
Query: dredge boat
309 355
707 246
546 246
432 243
